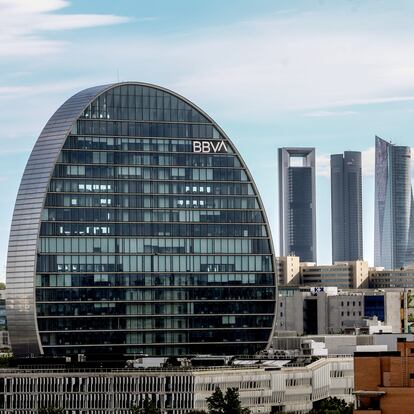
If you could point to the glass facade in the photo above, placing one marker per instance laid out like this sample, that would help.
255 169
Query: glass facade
152 235
394 213
297 212
346 206
374 306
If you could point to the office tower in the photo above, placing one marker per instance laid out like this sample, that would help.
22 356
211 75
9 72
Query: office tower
394 231
138 229
346 206
297 215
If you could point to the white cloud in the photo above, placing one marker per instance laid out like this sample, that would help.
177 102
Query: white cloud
322 114
314 62
23 23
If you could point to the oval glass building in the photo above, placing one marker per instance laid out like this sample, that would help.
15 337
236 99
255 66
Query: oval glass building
138 229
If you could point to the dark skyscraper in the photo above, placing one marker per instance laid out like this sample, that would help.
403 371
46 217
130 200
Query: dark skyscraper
393 206
297 216
346 206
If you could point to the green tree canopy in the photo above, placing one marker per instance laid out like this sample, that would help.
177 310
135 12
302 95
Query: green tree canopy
332 405
229 403
148 407
51 410
215 402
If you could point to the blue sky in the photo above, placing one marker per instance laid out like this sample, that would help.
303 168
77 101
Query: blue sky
329 74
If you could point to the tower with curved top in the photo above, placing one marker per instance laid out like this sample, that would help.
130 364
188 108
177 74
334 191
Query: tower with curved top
394 212
138 229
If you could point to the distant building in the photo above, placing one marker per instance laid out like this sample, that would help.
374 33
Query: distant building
288 270
383 279
384 381
266 387
343 275
297 203
394 212
346 206
320 311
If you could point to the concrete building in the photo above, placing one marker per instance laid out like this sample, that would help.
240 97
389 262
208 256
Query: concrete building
344 275
384 381
311 311
137 229
297 203
394 210
333 345
385 279
288 270
346 206
264 387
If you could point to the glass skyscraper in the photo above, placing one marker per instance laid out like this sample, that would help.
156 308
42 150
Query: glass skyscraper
346 206
138 229
394 221
297 213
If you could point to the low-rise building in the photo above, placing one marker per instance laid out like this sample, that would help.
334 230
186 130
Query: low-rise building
327 310
384 381
265 386
384 279
345 275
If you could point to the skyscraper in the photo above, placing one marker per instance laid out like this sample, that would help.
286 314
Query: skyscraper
346 206
138 229
297 215
394 220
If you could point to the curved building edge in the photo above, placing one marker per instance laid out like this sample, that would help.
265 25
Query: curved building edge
27 215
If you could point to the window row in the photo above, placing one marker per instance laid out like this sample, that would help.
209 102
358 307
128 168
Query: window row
178 308
114 323
156 245
153 263
153 229
151 295
149 187
135 158
149 173
146 129
139 97
131 144
149 215
171 280
116 337
151 201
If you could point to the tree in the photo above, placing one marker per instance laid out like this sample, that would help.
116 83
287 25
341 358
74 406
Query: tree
51 410
232 404
227 404
332 405
215 403
148 407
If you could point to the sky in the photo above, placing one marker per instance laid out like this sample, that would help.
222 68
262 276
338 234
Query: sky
272 73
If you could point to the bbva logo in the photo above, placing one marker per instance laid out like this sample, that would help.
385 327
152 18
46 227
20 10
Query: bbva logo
209 146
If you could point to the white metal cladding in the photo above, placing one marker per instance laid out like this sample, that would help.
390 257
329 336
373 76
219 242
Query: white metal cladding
177 391
25 227
21 258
